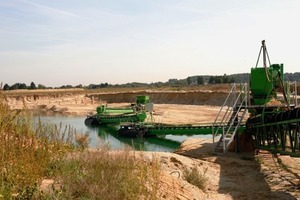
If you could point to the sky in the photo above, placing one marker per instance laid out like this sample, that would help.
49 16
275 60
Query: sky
71 42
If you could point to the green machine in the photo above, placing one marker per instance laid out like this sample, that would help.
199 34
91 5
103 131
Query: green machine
263 83
143 99
265 80
137 112
273 123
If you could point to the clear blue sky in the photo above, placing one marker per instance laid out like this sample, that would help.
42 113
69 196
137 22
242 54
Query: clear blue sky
59 42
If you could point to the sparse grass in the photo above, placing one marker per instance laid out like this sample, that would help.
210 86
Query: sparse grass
82 140
26 152
31 152
106 175
194 177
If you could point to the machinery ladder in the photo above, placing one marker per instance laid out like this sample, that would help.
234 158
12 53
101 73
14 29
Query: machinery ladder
230 118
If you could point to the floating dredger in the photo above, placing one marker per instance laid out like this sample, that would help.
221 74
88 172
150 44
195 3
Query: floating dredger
136 112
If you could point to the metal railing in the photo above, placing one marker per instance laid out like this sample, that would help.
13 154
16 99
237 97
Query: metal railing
228 119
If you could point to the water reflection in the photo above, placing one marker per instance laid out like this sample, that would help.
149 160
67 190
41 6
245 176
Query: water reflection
108 135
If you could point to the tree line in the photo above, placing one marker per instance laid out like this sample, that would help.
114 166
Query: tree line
18 86
189 81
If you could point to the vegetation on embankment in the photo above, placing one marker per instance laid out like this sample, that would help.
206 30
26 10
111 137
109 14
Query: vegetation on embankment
33 152
198 80
27 152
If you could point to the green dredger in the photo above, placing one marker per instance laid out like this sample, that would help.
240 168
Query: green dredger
135 113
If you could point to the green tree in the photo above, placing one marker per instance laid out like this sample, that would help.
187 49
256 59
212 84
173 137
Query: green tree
225 79
200 80
173 82
211 80
189 80
231 80
32 86
22 86
18 86
40 86
218 79
6 87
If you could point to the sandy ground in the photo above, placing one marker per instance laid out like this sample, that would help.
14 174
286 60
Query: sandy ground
230 176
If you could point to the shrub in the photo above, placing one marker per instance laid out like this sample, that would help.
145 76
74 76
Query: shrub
194 177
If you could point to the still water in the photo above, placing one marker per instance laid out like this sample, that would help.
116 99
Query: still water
108 135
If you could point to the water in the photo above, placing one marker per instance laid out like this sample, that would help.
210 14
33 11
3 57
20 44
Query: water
108 135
